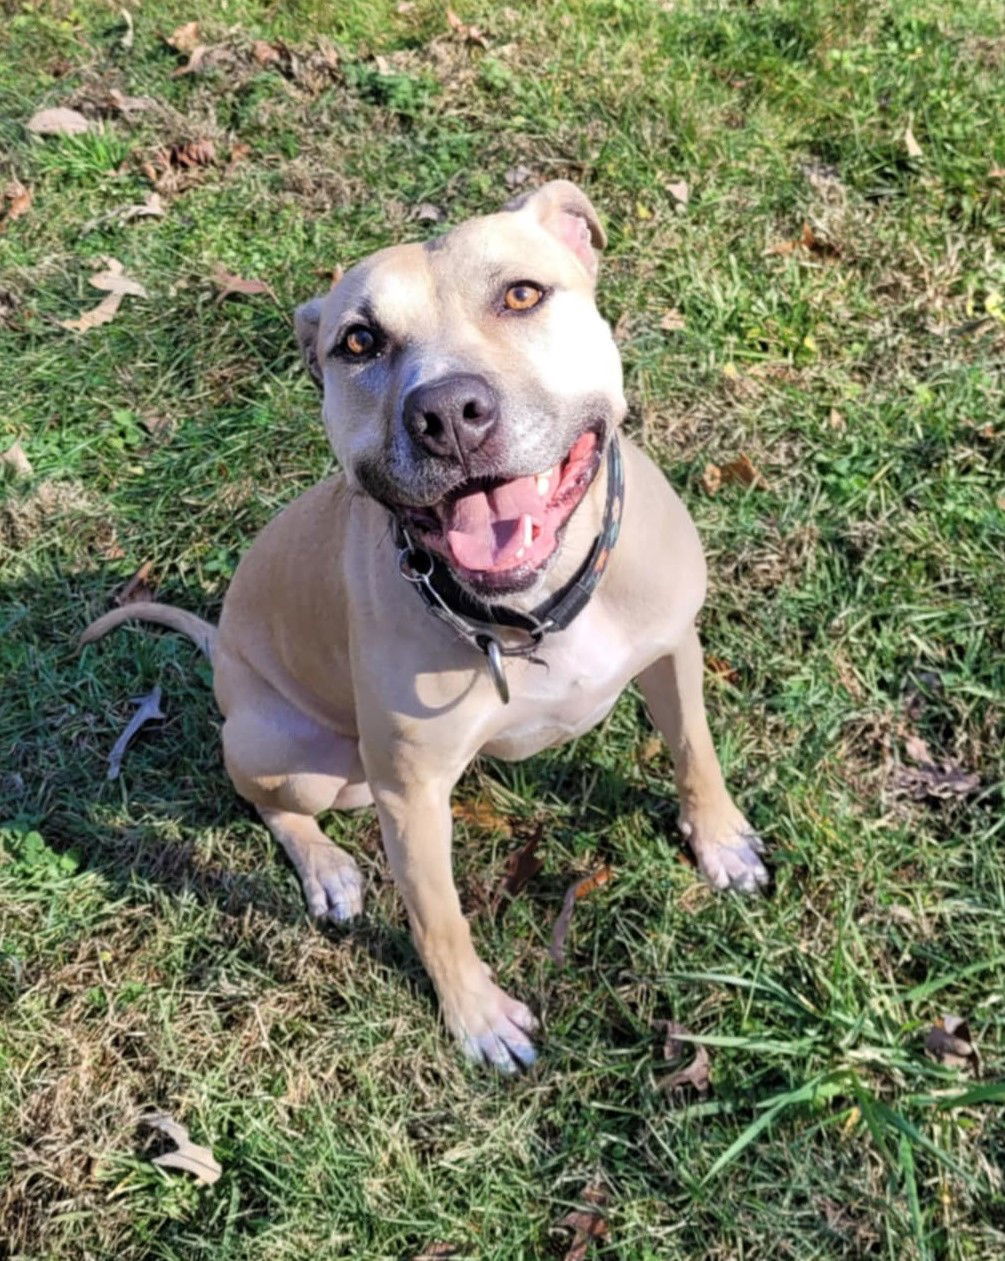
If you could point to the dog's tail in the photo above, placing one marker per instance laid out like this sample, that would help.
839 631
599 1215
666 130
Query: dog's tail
202 634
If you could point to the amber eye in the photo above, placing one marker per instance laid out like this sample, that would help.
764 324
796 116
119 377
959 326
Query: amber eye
359 341
523 296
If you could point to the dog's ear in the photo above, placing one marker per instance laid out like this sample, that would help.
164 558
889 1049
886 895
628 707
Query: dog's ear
306 319
568 214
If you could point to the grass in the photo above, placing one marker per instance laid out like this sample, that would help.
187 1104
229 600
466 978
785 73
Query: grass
154 950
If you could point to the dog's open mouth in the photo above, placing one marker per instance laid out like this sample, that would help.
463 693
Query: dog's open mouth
497 533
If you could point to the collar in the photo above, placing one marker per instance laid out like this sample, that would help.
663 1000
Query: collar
478 624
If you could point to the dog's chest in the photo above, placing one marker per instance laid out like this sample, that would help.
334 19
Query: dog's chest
586 668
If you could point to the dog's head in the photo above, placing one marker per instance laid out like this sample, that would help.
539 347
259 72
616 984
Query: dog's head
470 383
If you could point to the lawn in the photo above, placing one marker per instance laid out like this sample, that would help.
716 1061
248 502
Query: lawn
805 275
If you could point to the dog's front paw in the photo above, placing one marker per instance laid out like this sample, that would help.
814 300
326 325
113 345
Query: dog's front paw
333 885
728 851
491 1027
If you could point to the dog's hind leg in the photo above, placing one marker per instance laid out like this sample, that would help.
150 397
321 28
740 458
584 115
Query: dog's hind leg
290 768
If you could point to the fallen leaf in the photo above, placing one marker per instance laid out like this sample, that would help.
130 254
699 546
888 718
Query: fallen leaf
228 283
139 587
130 104
151 207
15 459
672 321
194 63
426 212
914 150
127 35
264 52
722 670
103 313
651 749
521 868
835 420
189 1156
517 176
918 751
807 240
149 710
711 479
479 812
238 152
586 1223
405 6
696 1074
949 1041
742 471
58 122
938 781
18 200
622 327
114 280
581 889
679 191
464 30
158 426
438 1249
997 173
185 38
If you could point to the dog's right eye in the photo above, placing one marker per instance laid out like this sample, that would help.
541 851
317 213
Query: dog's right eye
359 342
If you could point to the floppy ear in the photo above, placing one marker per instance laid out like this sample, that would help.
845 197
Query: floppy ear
568 214
306 319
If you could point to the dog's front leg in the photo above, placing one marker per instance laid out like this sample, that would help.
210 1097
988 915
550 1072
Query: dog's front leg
416 826
725 846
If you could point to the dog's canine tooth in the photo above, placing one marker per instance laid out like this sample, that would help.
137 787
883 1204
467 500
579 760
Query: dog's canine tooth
543 482
528 529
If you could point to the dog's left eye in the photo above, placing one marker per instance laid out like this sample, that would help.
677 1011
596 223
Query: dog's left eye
522 296
359 342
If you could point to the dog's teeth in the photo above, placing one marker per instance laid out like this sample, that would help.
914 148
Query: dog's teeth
521 552
543 482
528 529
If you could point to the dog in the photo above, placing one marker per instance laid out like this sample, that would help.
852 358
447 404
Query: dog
494 563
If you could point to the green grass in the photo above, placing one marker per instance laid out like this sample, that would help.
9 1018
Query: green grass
154 950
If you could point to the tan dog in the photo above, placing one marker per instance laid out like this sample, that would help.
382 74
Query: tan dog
471 394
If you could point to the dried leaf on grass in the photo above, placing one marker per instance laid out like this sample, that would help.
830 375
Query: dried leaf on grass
928 778
18 201
581 889
808 240
149 710
742 471
265 53
521 868
949 1041
588 1223
680 192
184 38
479 812
113 281
15 459
59 121
672 321
696 1074
914 150
436 1250
126 40
139 587
465 30
227 283
189 1156
722 670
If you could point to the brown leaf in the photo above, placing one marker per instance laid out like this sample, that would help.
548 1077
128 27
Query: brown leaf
200 152
264 52
696 1074
914 150
938 782
58 122
149 710
438 1249
185 38
742 471
405 6
587 1223
918 751
15 459
672 321
722 670
680 192
130 104
807 240
228 283
103 313
997 173
189 1156
194 63
651 749
114 280
139 587
464 30
480 813
521 868
711 479
949 1042
18 199
151 207
238 152
581 889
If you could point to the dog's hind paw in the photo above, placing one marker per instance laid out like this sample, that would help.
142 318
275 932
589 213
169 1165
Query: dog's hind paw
728 855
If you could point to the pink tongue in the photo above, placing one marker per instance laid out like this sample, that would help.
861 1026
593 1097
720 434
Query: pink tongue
486 527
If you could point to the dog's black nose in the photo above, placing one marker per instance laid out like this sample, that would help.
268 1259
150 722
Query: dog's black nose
451 417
